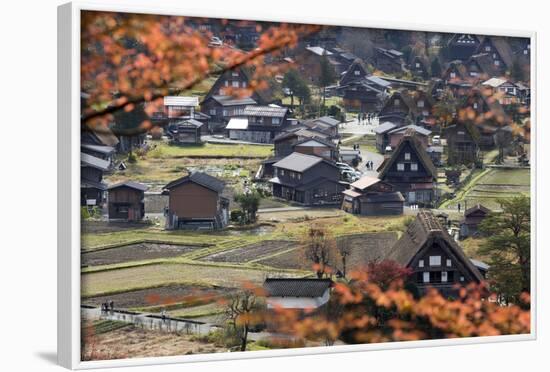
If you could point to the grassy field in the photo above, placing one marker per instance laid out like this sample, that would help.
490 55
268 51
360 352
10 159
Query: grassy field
165 163
164 150
141 277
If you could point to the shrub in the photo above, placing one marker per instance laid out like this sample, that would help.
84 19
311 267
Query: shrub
236 216
84 213
132 158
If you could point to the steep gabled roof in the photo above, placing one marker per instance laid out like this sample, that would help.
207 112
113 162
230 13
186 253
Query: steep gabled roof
200 178
485 63
301 287
384 127
503 48
349 74
409 138
418 129
424 230
475 208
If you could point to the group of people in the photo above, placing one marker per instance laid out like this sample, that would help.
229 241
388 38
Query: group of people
369 165
106 306
366 118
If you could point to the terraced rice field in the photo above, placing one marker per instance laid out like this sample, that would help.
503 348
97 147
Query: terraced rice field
252 252
134 252
499 183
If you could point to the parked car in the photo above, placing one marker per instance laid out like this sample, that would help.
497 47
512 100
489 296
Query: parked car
436 140
350 176
345 166
215 42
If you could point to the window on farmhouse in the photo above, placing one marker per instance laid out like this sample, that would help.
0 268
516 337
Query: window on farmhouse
420 263
444 277
400 167
396 102
275 120
235 84
426 277
449 263
407 156
356 72
414 167
420 104
435 260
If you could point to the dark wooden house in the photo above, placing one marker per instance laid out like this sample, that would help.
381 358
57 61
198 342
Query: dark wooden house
237 82
365 94
436 260
99 151
325 124
481 67
420 66
369 196
126 201
422 135
396 110
410 171
92 187
259 124
221 109
469 226
284 143
462 46
297 293
317 146
457 77
307 179
499 50
462 143
388 60
355 72
196 202
382 135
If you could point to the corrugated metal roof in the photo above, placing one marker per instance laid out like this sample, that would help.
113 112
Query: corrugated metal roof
181 101
94 162
233 101
130 184
298 162
268 111
288 287
364 182
384 127
237 123
98 148
416 128
319 50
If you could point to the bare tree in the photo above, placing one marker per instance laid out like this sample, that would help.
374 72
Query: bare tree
343 247
238 313
318 248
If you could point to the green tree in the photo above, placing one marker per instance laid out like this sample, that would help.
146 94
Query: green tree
303 93
508 247
292 81
249 202
327 76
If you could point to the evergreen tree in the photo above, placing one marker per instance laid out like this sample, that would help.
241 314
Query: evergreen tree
327 76
508 247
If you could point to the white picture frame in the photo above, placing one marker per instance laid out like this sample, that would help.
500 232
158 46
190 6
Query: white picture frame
69 189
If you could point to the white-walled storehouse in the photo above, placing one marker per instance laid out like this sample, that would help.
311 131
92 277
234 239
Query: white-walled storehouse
291 293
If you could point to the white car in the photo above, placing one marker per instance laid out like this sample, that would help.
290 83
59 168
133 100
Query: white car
215 42
436 140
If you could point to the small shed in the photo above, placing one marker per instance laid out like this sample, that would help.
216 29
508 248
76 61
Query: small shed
297 293
469 226
186 131
126 201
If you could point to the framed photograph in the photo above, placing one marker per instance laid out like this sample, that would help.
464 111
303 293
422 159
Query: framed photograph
235 187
